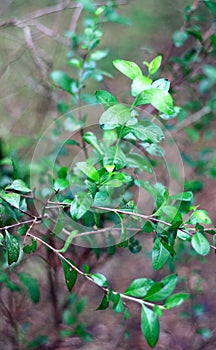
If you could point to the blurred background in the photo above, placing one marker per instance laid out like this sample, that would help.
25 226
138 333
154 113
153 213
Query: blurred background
28 106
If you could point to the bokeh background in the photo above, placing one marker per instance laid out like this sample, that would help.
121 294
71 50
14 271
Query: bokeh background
27 107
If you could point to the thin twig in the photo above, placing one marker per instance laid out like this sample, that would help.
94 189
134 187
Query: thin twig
75 18
194 118
148 217
36 57
88 277
38 221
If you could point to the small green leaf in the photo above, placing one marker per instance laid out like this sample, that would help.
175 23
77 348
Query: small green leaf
156 287
68 241
11 198
160 99
89 170
154 65
31 285
211 5
162 84
99 279
126 315
114 156
118 305
128 68
157 310
92 140
61 184
22 230
159 255
30 248
200 217
183 196
80 205
150 326
183 235
19 186
169 283
139 287
179 38
104 303
200 243
70 274
114 116
175 300
139 84
88 5
135 160
105 98
12 248
99 55
148 132
62 80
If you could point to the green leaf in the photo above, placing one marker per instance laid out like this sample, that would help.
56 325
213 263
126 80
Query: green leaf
169 283
159 255
19 186
139 287
30 248
118 305
68 241
154 65
153 149
160 99
105 98
139 84
171 214
92 140
183 196
200 243
148 132
135 160
126 315
89 170
13 248
22 230
99 279
156 287
31 286
184 236
150 326
99 55
211 5
162 84
200 217
80 205
62 80
114 156
101 198
11 198
175 300
70 274
128 68
61 184
104 303
88 5
176 111
114 116
179 38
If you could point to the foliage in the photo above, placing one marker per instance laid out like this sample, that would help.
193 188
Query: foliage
77 203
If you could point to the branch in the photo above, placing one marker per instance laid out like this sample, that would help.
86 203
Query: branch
148 217
30 44
88 277
192 119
